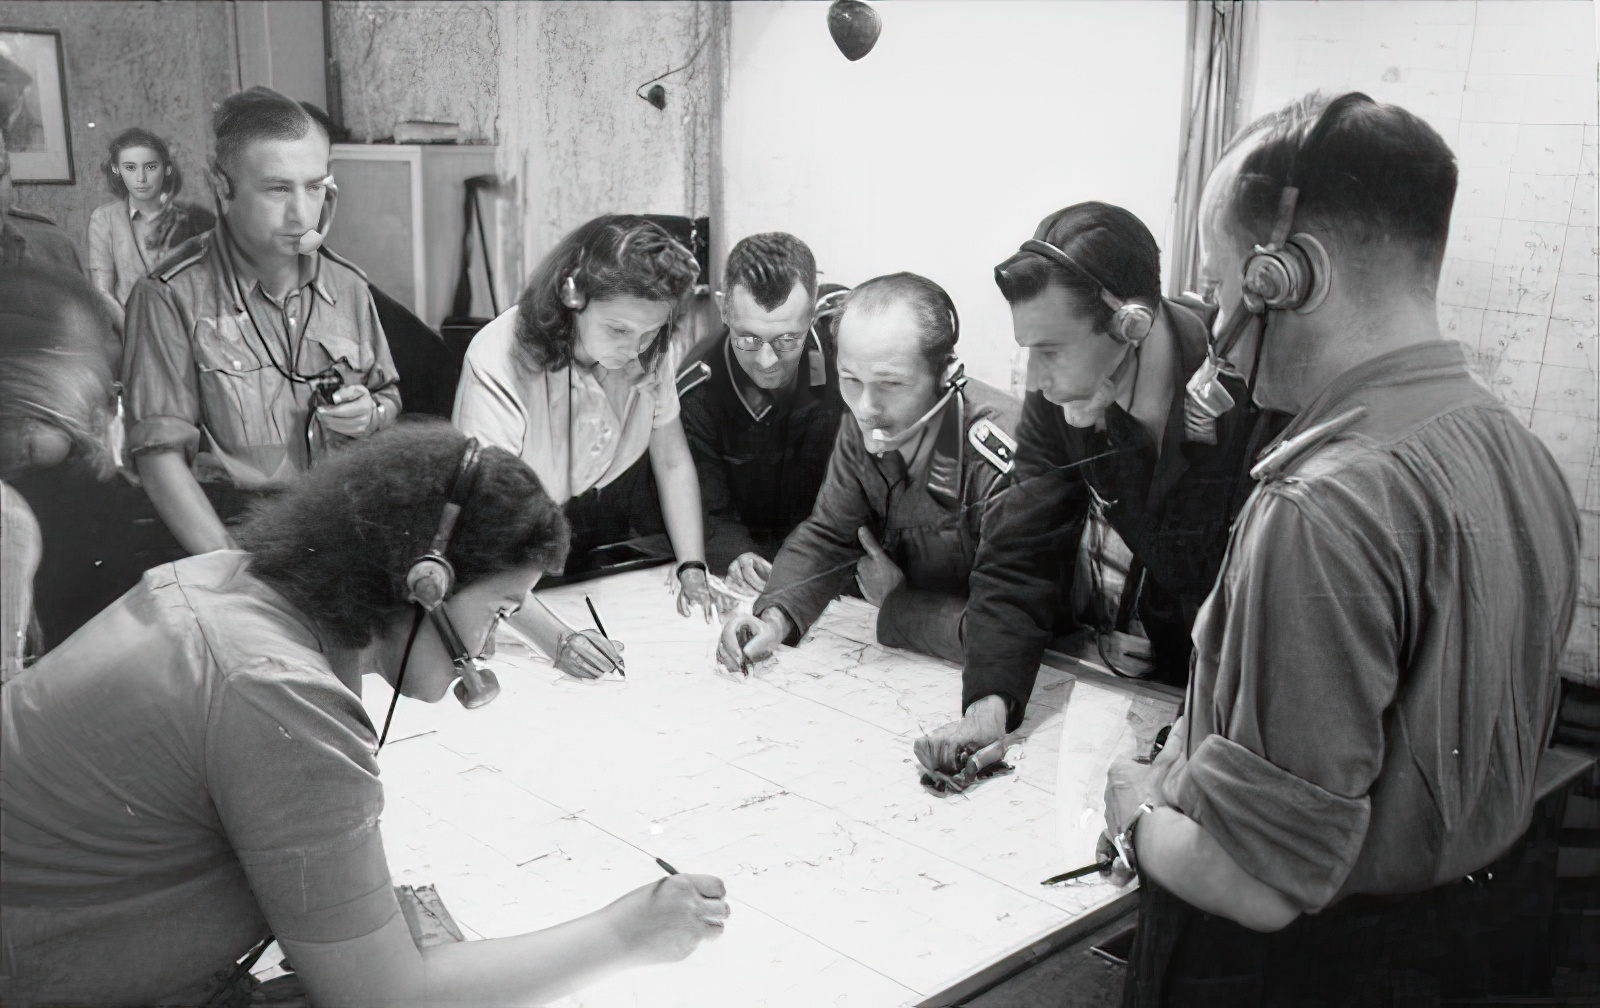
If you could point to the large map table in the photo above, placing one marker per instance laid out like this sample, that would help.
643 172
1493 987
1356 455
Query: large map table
851 884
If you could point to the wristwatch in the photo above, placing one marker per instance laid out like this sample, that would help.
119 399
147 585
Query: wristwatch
698 565
1123 841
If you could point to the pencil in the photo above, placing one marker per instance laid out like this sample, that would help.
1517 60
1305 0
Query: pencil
666 867
595 613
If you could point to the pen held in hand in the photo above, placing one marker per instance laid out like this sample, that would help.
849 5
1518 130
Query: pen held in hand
666 867
1098 866
595 615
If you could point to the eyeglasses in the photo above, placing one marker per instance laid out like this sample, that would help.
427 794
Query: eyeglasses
781 344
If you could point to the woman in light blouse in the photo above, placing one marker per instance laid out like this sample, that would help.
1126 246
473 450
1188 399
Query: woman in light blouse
129 236
576 381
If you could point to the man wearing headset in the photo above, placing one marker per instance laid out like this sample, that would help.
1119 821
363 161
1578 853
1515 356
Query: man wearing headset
1375 672
250 350
1104 431
902 505
760 404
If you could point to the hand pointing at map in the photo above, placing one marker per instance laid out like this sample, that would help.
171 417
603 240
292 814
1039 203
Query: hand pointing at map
769 630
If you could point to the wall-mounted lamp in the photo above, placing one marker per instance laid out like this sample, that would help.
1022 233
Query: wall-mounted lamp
855 27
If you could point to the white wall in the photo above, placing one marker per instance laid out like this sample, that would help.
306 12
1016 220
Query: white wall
942 149
1510 85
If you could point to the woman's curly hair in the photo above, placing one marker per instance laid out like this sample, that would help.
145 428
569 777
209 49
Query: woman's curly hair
339 542
615 255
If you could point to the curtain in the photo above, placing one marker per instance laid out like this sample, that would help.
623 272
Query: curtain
1217 37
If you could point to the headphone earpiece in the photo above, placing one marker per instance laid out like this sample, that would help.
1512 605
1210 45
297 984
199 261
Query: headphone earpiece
1294 278
572 295
1131 321
429 581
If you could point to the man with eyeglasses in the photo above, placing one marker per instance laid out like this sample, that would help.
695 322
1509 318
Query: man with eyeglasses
760 404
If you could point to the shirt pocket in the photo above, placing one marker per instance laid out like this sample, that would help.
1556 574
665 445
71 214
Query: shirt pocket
333 339
236 383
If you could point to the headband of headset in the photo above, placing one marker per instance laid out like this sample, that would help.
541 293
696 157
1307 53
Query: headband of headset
432 576
574 289
1132 320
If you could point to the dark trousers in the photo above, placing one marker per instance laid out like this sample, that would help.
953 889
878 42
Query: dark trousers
626 508
1488 935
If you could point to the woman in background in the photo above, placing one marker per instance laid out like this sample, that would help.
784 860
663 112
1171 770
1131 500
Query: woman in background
128 237
576 380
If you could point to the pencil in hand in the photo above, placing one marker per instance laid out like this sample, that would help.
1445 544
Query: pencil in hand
595 615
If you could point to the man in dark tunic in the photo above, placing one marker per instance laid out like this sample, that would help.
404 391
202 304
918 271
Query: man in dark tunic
1104 431
902 505
760 403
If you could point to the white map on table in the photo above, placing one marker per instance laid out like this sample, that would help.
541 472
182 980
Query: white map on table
850 883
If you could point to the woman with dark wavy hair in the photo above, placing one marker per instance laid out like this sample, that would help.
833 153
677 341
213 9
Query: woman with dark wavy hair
194 769
129 236
575 380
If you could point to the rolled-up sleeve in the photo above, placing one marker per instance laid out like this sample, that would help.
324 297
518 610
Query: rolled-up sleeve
1302 631
382 377
161 397
291 771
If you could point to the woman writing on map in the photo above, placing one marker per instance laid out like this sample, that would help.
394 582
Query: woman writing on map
575 380
194 768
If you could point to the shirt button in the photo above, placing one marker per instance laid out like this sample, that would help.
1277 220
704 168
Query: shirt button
238 365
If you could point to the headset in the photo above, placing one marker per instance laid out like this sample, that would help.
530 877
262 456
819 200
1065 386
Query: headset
954 379
430 581
1292 272
1131 321
312 239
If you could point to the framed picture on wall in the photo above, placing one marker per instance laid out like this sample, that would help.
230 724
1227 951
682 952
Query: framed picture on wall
33 105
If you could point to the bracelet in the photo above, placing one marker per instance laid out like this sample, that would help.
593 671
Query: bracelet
699 565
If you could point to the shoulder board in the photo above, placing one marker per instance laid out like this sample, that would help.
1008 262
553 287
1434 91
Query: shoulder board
177 264
347 264
32 215
1276 461
693 377
997 447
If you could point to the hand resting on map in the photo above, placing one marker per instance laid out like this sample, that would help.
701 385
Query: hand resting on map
984 723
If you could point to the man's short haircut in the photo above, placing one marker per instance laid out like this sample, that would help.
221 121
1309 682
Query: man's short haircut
930 306
253 115
1375 172
340 540
768 265
1107 239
